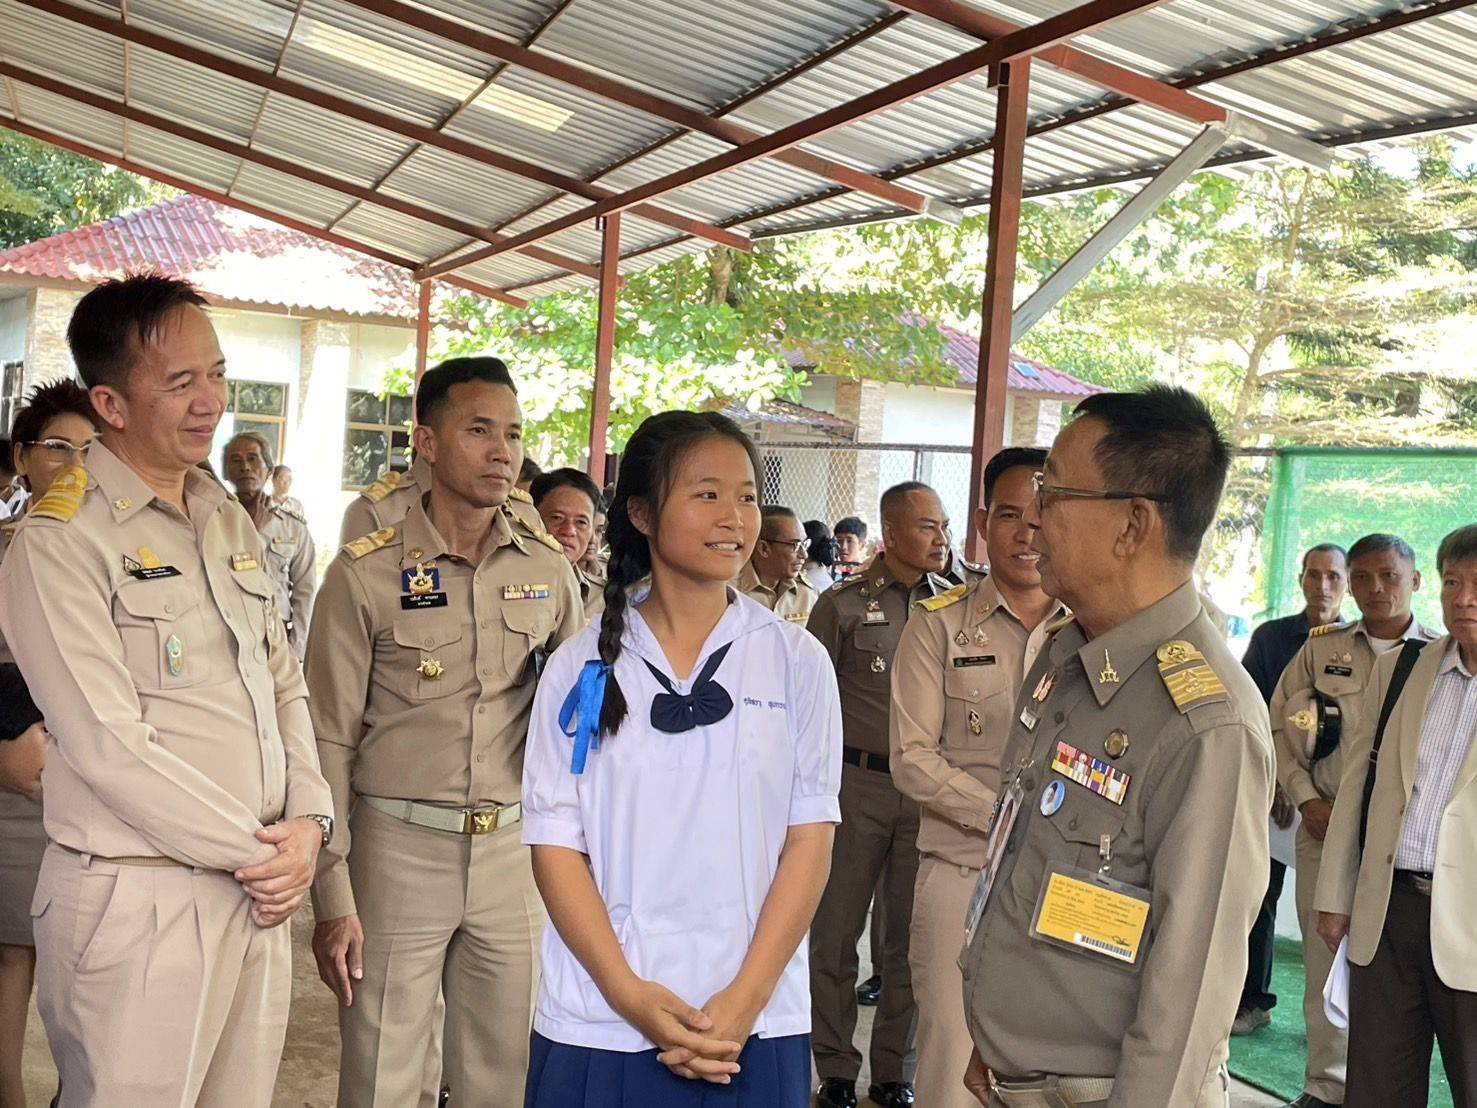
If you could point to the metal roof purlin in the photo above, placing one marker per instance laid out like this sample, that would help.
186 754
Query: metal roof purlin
261 110
343 106
1024 42
41 134
659 107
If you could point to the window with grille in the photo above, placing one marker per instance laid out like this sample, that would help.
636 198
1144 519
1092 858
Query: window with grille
12 380
377 436
259 406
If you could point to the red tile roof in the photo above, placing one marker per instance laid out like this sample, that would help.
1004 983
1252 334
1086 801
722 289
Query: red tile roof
228 254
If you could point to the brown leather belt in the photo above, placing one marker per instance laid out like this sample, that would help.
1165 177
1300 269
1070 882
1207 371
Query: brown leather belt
852 756
151 860
1050 1091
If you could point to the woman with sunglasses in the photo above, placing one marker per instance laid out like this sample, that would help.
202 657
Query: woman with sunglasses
51 433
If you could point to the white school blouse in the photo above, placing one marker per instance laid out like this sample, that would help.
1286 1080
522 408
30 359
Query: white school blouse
683 831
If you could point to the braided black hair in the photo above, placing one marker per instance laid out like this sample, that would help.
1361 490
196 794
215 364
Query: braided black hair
646 470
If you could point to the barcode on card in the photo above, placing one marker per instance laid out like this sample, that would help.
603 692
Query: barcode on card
1113 950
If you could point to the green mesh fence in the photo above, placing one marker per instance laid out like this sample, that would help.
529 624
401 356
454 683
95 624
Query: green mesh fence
1337 495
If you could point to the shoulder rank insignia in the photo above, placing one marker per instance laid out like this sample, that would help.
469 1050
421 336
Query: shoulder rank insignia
1187 675
389 481
849 582
550 541
1328 629
65 495
369 543
515 493
1055 625
944 599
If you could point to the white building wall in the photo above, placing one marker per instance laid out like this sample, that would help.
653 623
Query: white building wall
13 328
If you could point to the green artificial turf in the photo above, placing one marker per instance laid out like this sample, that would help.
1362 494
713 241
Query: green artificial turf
1273 1057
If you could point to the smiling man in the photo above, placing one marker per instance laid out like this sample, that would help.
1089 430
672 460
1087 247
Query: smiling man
427 644
773 575
569 504
183 798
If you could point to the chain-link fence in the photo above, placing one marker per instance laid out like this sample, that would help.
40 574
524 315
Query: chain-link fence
826 481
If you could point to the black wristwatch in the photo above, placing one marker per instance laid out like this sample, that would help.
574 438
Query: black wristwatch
325 822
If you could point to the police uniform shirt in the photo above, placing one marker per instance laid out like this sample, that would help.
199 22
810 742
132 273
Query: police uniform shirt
385 502
1336 661
422 668
961 660
292 563
860 621
150 640
791 600
1161 701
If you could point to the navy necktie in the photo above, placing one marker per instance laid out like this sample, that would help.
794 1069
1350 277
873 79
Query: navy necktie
708 702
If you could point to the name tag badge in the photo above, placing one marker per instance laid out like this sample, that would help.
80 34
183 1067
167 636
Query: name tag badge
1091 773
415 602
999 834
875 617
976 660
1091 913
141 572
1339 671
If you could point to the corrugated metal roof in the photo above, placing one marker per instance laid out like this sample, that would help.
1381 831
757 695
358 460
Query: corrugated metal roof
750 61
228 254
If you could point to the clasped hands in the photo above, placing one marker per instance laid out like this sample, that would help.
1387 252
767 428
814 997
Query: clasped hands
278 885
691 1042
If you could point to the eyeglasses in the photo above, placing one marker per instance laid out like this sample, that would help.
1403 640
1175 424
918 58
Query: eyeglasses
1045 493
60 450
795 545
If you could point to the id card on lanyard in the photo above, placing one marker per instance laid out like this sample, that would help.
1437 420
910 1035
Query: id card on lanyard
999 835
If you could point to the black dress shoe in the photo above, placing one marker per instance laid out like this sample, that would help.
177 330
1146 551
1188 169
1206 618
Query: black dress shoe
891 1094
1308 1100
869 990
445 1098
836 1092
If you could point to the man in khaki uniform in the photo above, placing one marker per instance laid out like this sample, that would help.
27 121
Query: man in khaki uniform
292 560
958 669
567 501
773 573
424 655
1319 699
860 621
1106 943
183 797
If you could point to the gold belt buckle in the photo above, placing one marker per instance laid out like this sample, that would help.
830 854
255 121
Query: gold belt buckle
483 822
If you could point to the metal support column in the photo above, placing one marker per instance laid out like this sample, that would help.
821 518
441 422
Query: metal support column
422 329
1013 93
610 256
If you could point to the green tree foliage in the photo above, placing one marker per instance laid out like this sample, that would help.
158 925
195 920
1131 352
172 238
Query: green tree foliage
45 190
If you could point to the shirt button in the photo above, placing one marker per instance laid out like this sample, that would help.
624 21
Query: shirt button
481 758
168 608
1059 717
974 692
482 709
430 642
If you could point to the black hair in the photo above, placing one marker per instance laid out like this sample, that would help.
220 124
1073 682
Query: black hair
893 497
647 467
529 470
1033 457
1459 546
7 459
114 322
1379 543
278 470
438 380
822 547
1325 548
775 511
851 525
43 404
1163 442
250 436
545 483
17 710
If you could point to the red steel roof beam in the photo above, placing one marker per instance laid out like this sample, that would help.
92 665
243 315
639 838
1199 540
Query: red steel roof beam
630 96
41 134
404 128
1022 43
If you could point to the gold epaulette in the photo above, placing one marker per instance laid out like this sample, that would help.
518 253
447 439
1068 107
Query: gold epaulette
975 567
1188 676
535 527
515 493
388 482
369 543
944 599
65 495
1055 625
847 582
1328 629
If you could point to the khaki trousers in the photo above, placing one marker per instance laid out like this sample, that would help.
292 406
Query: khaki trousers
1328 1047
155 986
454 913
940 901
877 839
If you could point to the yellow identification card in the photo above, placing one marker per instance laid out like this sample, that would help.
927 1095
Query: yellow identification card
1092 913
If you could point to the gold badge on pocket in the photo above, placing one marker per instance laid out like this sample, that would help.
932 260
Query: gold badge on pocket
430 669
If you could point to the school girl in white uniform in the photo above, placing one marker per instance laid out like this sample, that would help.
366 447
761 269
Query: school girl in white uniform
680 797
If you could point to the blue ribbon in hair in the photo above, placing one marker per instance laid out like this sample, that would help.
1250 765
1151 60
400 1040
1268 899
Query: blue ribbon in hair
584 700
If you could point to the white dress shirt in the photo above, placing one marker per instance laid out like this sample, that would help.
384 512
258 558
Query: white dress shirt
684 831
1447 730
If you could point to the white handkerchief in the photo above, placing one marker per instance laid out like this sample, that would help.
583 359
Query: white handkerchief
1336 988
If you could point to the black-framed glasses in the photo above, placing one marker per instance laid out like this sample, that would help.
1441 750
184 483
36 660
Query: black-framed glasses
1046 493
796 546
61 450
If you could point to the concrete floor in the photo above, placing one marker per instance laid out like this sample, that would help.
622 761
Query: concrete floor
309 1073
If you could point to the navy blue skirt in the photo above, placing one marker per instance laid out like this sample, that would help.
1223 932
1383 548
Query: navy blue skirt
775 1073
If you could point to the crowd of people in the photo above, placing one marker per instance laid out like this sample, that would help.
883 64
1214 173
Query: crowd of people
595 790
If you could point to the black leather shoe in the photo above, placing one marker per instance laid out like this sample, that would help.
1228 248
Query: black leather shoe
836 1092
891 1094
445 1098
1308 1100
869 990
